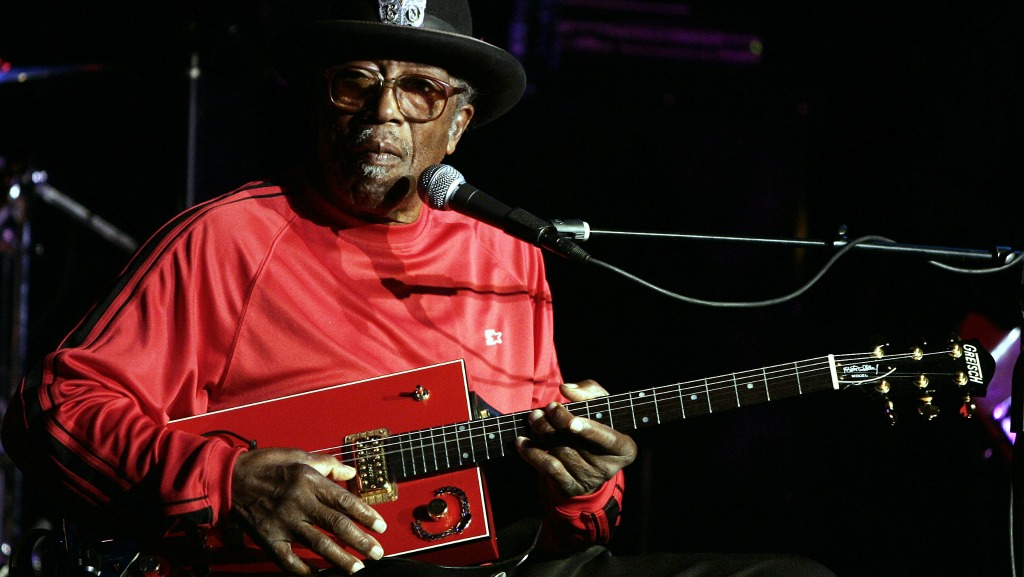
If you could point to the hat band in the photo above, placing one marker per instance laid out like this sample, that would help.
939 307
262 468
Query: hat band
435 23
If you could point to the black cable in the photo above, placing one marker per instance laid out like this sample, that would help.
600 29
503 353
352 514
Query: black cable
748 304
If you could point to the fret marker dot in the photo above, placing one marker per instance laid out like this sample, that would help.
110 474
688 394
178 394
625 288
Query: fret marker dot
750 385
465 455
642 395
490 436
462 428
693 397
646 419
599 416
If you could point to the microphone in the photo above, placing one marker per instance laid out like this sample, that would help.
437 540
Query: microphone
446 189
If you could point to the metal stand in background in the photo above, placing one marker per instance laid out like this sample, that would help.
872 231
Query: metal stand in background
16 249
1017 465
15 240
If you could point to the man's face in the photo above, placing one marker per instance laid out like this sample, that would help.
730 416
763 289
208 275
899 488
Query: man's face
371 158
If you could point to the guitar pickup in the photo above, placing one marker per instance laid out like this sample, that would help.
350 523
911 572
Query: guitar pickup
373 482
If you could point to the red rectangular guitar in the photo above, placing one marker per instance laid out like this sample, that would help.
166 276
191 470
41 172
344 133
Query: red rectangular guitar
416 446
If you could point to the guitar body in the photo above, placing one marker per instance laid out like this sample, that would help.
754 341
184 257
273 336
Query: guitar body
320 421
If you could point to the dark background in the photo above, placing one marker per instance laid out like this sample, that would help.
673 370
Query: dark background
785 119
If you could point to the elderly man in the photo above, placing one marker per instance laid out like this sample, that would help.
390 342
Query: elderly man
337 275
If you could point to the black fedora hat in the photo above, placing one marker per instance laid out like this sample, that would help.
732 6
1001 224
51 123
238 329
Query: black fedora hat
435 32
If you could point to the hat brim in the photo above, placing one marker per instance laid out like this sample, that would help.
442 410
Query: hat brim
496 75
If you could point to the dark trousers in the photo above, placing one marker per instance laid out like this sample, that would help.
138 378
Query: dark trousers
599 562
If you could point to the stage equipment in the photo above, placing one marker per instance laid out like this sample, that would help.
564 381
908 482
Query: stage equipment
17 249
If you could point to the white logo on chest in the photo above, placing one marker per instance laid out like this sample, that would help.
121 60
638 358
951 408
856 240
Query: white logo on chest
493 337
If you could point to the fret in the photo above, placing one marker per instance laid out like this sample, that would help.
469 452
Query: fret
467 431
412 456
491 437
473 442
799 387
696 401
484 437
608 406
429 453
786 385
724 396
682 405
764 376
429 450
657 409
751 390
422 451
444 446
620 414
516 418
455 447
644 408
465 445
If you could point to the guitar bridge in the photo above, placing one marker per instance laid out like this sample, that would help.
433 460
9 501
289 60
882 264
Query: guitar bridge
373 482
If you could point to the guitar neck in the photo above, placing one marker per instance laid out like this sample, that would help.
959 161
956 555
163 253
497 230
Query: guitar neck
430 451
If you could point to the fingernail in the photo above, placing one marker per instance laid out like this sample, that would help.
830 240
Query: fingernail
357 566
522 441
570 385
536 414
379 526
376 552
576 425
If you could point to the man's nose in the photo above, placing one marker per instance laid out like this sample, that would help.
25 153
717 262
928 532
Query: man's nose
385 106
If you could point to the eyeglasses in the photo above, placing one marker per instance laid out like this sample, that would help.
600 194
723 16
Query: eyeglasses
420 98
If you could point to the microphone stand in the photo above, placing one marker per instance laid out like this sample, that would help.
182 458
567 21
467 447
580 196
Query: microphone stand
997 257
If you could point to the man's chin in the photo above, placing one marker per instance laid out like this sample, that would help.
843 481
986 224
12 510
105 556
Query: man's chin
381 196
374 172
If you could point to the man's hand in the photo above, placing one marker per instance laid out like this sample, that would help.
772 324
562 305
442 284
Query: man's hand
577 454
285 496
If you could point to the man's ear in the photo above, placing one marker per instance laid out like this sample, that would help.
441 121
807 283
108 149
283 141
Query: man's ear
459 124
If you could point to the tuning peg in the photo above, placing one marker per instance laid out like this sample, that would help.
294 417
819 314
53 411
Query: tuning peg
927 409
969 408
956 349
889 411
883 387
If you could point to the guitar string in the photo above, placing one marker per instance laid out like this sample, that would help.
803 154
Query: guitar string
503 423
495 427
710 387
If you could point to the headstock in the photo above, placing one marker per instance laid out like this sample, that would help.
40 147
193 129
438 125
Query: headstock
951 373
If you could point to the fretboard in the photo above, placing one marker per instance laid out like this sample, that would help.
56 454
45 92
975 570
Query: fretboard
429 451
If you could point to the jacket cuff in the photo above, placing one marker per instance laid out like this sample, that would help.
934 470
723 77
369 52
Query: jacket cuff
221 468
575 506
574 523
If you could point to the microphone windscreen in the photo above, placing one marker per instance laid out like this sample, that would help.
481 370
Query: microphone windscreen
440 182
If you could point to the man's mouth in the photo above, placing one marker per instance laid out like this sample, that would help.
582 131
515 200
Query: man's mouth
378 152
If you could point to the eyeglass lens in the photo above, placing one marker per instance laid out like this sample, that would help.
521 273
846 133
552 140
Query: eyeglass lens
418 97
